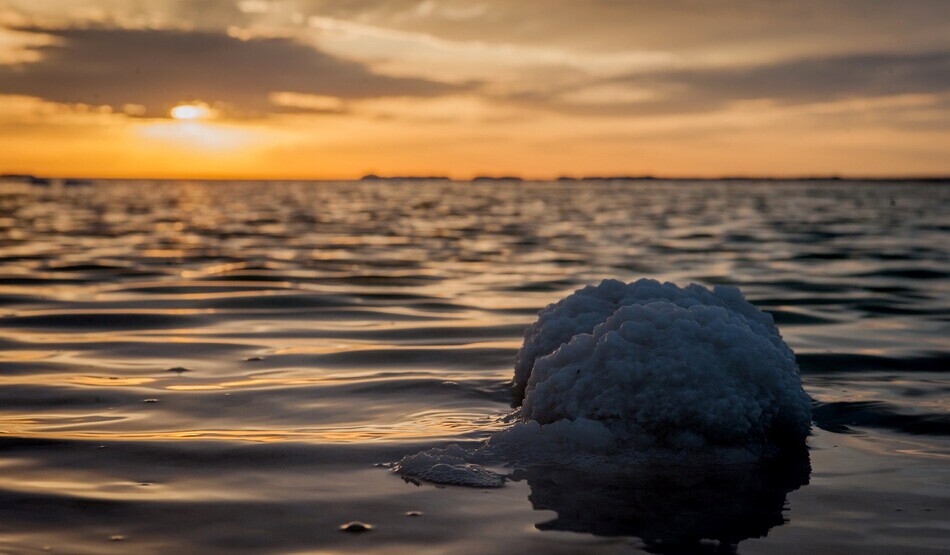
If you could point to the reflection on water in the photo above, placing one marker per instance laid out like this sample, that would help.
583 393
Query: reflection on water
672 510
327 327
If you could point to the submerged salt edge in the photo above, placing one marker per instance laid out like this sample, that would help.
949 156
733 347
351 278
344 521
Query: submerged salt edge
643 373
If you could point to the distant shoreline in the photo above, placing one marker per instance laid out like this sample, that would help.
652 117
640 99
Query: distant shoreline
72 180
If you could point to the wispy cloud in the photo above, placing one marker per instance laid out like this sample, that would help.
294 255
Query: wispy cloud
786 82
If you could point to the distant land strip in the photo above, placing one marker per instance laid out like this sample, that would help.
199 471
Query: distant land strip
72 181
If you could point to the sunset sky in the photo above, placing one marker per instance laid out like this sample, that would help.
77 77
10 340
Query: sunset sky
538 88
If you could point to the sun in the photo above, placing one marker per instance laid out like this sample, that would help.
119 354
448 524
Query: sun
190 111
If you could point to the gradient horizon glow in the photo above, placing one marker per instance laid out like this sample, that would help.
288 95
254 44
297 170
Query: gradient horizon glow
300 89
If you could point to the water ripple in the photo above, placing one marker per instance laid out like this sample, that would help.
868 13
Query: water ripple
327 327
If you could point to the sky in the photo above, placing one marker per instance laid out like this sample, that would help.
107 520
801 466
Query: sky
319 89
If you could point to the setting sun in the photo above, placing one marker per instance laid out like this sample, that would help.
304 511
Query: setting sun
190 111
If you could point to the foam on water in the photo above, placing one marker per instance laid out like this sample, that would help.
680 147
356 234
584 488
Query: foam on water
644 373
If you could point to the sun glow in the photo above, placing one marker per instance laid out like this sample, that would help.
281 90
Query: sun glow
195 133
190 111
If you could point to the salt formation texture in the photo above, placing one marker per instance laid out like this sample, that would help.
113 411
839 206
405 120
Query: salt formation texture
651 373
662 366
448 466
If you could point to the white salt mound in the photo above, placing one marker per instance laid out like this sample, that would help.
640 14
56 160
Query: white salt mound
651 373
663 366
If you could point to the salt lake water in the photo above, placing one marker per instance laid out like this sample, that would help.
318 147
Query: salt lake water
199 367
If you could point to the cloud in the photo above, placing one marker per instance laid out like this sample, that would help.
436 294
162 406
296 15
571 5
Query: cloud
159 68
821 79
787 82
672 25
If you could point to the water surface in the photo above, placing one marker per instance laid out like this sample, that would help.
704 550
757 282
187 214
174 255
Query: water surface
206 367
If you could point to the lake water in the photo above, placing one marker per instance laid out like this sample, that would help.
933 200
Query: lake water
199 367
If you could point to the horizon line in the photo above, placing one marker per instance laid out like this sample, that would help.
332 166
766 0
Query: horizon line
369 177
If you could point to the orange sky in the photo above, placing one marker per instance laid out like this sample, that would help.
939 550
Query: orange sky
321 89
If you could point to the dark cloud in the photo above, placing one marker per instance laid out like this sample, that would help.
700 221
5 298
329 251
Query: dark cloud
817 79
159 68
787 82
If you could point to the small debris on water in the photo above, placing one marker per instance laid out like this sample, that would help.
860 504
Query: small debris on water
356 527
116 538
413 513
150 401
253 359
178 370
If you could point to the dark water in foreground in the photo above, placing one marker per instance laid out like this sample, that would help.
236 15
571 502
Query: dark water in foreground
326 328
